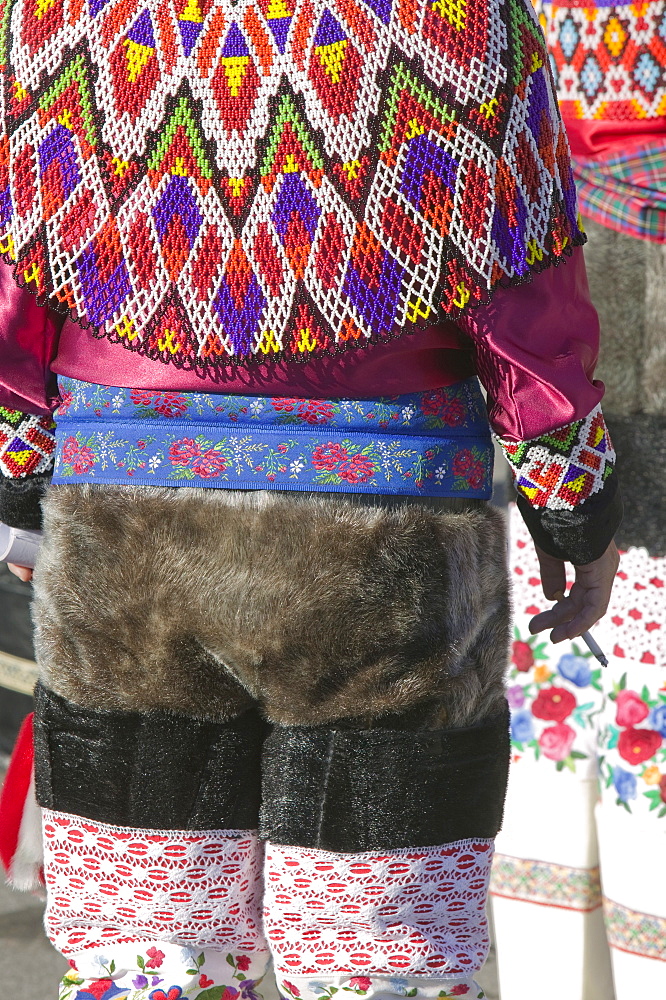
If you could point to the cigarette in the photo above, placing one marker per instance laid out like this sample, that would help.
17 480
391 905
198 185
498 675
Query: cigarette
594 648
589 640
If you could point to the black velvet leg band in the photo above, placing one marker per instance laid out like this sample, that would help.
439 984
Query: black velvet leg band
382 789
155 770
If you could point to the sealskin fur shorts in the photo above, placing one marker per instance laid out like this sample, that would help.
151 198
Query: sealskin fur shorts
327 669
317 609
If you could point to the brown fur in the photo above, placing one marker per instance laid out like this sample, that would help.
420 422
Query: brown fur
321 608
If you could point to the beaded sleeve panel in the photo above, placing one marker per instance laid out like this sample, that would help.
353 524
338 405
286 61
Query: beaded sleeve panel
27 444
564 468
608 60
205 181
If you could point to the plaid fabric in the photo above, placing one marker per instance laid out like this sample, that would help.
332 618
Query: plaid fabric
626 193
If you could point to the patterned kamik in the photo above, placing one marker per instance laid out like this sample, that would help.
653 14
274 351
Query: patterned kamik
204 181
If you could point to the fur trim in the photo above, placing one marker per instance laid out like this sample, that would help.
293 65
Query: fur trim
130 768
21 849
26 870
319 608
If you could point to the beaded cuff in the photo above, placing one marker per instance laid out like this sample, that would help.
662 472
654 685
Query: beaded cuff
27 444
562 469
206 181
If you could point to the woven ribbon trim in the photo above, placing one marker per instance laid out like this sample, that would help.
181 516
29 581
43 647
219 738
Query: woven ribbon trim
543 882
433 443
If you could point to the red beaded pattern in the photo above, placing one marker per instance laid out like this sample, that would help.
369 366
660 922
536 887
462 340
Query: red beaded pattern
608 60
562 469
202 180
27 444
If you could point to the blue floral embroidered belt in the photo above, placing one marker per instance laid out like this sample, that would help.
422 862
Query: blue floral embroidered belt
434 443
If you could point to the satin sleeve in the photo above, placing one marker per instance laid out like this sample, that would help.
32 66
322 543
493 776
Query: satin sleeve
536 348
28 343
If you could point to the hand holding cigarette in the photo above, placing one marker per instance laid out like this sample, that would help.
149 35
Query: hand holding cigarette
587 601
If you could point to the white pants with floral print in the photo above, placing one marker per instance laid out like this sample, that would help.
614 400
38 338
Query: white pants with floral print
216 915
579 880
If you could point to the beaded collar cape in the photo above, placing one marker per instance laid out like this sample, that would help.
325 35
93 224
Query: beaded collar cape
206 181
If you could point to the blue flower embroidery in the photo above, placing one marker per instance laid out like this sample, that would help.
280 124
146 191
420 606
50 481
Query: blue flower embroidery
522 727
575 669
625 784
100 991
657 719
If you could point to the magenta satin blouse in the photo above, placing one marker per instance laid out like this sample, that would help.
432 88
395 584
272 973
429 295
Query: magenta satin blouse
534 348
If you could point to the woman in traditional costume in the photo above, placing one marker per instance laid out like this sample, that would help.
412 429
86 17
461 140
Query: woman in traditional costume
269 250
579 858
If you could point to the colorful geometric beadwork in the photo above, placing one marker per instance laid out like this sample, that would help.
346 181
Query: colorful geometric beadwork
608 59
27 443
208 180
562 469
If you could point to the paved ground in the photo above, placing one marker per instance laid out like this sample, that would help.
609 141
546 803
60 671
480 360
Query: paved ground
29 967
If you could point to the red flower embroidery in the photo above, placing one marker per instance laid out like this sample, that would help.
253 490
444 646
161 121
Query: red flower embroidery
662 788
81 457
156 958
360 982
142 398
205 981
459 990
288 405
433 402
637 745
84 461
475 476
99 987
209 465
327 456
65 402
357 470
556 741
315 411
169 404
292 989
522 656
242 963
182 451
553 704
630 708
454 413
437 404
463 462
70 448
174 993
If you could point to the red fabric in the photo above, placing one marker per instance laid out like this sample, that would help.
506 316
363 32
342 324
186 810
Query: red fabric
15 792
604 138
425 359
28 339
534 348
